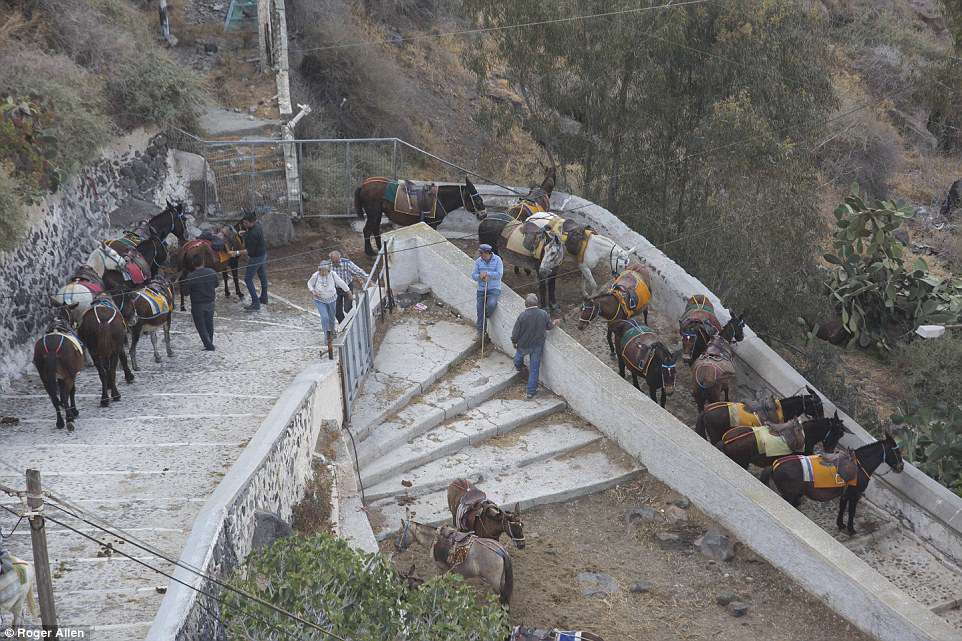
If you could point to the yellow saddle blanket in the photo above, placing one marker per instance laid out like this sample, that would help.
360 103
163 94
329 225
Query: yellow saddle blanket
159 304
769 444
632 289
823 474
514 233
740 415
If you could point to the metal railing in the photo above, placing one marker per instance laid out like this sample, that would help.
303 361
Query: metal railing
240 175
355 340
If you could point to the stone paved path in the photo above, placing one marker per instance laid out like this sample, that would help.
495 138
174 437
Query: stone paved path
147 463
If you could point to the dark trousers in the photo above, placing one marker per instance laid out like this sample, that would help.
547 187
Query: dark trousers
256 265
344 305
203 316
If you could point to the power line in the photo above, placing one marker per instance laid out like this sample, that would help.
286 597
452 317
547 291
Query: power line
508 27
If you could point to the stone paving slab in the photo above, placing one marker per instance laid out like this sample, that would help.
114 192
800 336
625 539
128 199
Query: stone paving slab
412 355
66 546
491 418
527 445
140 458
592 469
476 382
124 484
40 409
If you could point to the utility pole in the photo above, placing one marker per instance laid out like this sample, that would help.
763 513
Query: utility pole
41 560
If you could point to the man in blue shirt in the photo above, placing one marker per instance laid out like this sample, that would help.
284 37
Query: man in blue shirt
488 270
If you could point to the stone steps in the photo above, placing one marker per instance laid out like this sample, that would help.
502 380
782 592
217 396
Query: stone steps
413 354
491 418
590 469
470 384
527 445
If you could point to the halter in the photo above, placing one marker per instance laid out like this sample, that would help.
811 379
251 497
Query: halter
461 190
506 524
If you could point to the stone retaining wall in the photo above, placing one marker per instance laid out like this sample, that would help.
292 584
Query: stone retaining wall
677 456
65 228
270 476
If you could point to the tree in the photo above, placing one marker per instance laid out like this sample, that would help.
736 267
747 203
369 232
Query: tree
689 123
355 595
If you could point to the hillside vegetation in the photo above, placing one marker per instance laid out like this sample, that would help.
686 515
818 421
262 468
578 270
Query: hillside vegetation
74 74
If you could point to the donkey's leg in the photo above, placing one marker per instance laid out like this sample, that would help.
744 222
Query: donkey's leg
588 284
852 504
634 380
234 270
112 370
183 288
842 504
53 392
74 412
551 291
170 352
226 283
99 361
611 345
153 342
65 403
128 375
134 339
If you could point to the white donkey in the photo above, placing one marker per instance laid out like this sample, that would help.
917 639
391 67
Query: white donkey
16 589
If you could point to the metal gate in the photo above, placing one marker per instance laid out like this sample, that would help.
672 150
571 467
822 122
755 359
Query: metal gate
355 342
233 176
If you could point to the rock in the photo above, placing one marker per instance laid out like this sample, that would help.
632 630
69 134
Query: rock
597 584
738 608
683 503
210 47
643 513
406 299
250 117
716 545
278 228
670 541
267 529
724 598
419 288
675 514
640 587
902 236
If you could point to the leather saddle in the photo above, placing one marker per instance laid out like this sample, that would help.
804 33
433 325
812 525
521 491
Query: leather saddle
470 507
423 198
766 408
538 197
844 461
217 241
717 350
452 546
531 235
87 275
792 432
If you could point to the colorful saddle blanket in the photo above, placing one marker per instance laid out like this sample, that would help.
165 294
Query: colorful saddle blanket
700 310
630 287
525 209
89 278
527 238
158 301
824 474
65 338
741 414
772 444
408 198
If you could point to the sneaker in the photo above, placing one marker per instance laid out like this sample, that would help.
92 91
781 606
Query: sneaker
528 397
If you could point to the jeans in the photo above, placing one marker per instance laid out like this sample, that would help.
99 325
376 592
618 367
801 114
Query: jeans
534 365
485 312
203 316
256 265
344 305
328 314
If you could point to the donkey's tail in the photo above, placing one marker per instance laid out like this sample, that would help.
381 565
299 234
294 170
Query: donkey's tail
49 377
507 583
358 207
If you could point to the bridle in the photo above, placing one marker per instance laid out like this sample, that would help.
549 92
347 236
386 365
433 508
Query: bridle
506 525
476 208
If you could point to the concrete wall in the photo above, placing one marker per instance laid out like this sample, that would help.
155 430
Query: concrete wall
674 453
65 227
270 476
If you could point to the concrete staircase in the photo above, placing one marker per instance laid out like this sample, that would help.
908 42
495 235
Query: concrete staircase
427 418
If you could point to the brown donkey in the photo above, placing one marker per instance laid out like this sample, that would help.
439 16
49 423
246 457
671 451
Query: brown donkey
471 511
215 249
104 332
58 356
628 296
153 308
713 374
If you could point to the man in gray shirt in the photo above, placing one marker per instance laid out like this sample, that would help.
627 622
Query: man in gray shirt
528 338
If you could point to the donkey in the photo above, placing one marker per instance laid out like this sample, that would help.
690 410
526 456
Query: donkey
629 295
153 309
532 245
16 589
215 250
378 196
824 477
697 325
471 511
58 356
763 445
642 352
104 332
467 554
713 374
536 200
718 418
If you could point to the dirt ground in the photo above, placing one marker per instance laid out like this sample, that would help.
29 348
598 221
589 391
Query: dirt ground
590 535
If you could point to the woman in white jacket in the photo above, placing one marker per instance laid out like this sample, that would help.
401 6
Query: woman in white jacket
323 285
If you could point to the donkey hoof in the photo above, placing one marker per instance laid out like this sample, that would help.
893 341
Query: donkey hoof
851 531
115 397
129 378
157 359
73 414
105 402
70 426
170 354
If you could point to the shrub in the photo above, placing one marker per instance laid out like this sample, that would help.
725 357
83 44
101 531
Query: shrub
153 89
932 440
355 595
930 369
70 97
12 216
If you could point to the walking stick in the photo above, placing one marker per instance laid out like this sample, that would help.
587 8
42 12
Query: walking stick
484 316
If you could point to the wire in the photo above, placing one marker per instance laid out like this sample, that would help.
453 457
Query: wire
508 27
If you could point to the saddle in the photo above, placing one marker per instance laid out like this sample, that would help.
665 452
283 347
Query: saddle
844 462
416 201
90 278
527 237
156 299
717 350
632 290
771 408
217 242
575 237
452 546
791 432
471 506
639 334
699 311
537 197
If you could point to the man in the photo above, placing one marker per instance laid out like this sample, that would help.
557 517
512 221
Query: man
348 271
488 270
528 338
202 287
255 248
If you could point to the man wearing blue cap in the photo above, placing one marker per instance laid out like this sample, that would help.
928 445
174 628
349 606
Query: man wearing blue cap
488 270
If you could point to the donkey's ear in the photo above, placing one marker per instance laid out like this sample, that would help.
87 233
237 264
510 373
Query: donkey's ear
810 391
836 415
